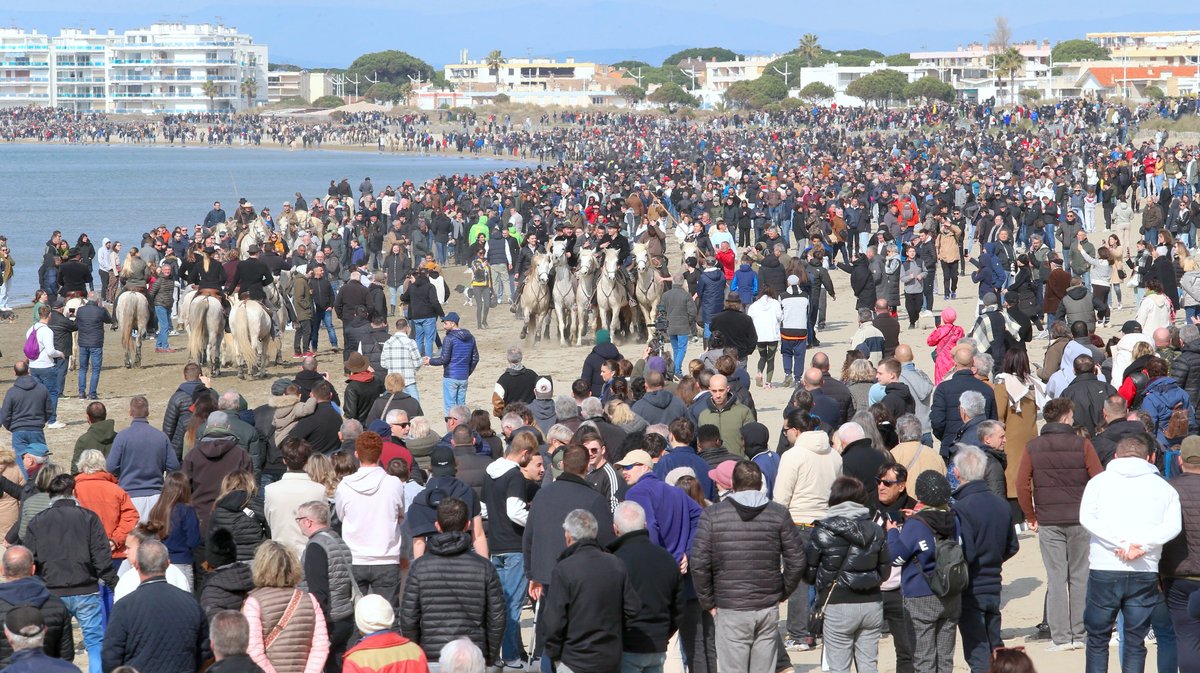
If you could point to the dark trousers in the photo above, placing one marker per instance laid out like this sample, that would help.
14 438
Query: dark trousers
698 638
302 334
927 286
949 277
339 636
1131 594
382 580
912 304
979 625
901 628
800 603
1187 628
793 352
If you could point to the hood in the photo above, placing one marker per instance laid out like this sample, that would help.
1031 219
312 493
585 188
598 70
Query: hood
365 481
744 267
462 335
659 399
25 591
749 504
102 431
900 389
939 520
497 468
25 382
770 261
844 520
234 501
234 578
1077 293
1132 468
542 410
714 274
215 445
282 401
189 388
815 441
606 351
448 544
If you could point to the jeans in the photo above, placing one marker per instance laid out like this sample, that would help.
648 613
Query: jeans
48 376
411 389
21 439
979 624
511 570
325 319
424 329
1109 593
87 611
1187 628
793 351
439 252
381 580
164 326
94 358
499 276
643 662
679 351
454 391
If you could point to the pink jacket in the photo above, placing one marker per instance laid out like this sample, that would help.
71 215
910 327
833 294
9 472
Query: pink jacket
943 339
317 653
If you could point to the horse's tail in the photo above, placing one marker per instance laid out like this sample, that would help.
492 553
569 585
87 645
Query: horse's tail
197 331
127 322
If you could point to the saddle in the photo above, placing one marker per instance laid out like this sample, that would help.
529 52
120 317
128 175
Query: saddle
75 294
209 292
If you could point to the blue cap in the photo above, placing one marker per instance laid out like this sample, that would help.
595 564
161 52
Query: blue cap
451 317
37 449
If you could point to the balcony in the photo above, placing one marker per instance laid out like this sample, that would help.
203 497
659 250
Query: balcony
24 95
80 80
22 80
66 94
26 64
170 78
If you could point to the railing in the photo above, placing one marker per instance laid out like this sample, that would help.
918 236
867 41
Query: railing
63 94
19 80
24 95
80 80
170 78
26 64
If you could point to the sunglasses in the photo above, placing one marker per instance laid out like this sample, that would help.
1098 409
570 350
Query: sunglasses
403 425
890 482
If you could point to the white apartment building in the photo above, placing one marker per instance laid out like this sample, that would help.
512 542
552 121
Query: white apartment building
838 77
160 69
519 74
975 61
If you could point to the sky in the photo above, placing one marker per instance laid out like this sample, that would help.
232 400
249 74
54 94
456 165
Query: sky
332 33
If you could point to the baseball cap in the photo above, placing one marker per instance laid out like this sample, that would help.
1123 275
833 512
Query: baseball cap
442 462
641 457
1131 327
1189 451
37 449
451 317
24 620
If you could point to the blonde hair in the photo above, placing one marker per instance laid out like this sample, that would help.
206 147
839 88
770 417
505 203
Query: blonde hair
1141 349
275 565
7 457
618 412
861 371
319 468
91 461
394 382
1188 264
240 480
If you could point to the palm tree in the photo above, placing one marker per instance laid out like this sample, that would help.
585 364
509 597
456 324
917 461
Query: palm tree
249 89
810 48
494 60
210 91
1008 63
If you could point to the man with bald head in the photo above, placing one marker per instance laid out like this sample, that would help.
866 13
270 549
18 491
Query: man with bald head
1163 345
921 388
824 407
726 413
943 413
833 387
23 587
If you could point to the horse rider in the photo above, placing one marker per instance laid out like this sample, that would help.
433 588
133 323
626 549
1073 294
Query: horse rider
615 240
524 266
251 277
135 276
207 275
74 275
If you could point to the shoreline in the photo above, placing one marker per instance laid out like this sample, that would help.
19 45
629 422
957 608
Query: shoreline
276 147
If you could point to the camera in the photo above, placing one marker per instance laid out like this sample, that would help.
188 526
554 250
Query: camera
655 345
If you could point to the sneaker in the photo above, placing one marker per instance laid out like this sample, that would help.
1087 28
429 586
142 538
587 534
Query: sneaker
954 295
82 395
800 644
1061 647
173 332
334 348
93 396
297 356
1078 646
56 425
290 327
1041 635
787 381
515 664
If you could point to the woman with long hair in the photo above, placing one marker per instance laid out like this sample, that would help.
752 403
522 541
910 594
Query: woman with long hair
239 510
1101 275
287 626
1119 270
203 404
177 522
10 507
1019 395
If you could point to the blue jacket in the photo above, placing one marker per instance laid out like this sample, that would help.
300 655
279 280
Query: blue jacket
671 516
1162 394
140 455
990 275
26 405
710 291
943 412
686 456
768 462
36 661
459 355
745 283
988 536
914 548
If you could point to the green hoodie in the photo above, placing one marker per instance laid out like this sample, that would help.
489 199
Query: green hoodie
99 436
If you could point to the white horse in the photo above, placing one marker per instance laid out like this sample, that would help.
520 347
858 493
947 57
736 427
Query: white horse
256 233
535 297
611 296
206 330
251 327
133 313
647 287
563 298
69 308
585 292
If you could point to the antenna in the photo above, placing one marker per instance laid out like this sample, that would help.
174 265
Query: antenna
691 73
354 81
372 81
785 72
416 81
638 76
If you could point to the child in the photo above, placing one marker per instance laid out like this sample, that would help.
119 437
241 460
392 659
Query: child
943 338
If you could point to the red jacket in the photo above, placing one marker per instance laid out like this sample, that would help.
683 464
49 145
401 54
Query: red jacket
99 493
728 261
386 652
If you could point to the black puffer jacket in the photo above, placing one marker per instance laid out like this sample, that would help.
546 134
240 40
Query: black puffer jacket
453 592
178 413
1185 369
243 517
736 553
59 641
422 300
226 588
849 548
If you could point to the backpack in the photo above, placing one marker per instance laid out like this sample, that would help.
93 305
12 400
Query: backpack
1177 424
907 213
32 348
949 577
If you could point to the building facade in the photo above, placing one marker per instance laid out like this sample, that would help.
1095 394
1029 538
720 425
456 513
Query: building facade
297 84
165 68
519 74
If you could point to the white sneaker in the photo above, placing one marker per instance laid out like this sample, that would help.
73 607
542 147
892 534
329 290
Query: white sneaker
173 332
56 425
1061 647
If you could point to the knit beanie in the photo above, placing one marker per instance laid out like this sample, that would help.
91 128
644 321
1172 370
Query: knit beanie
602 337
933 489
949 315
373 614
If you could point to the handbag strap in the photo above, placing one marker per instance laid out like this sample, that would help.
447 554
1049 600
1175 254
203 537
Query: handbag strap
292 605
914 458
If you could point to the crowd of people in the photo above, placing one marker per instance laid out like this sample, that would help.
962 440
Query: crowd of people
335 528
